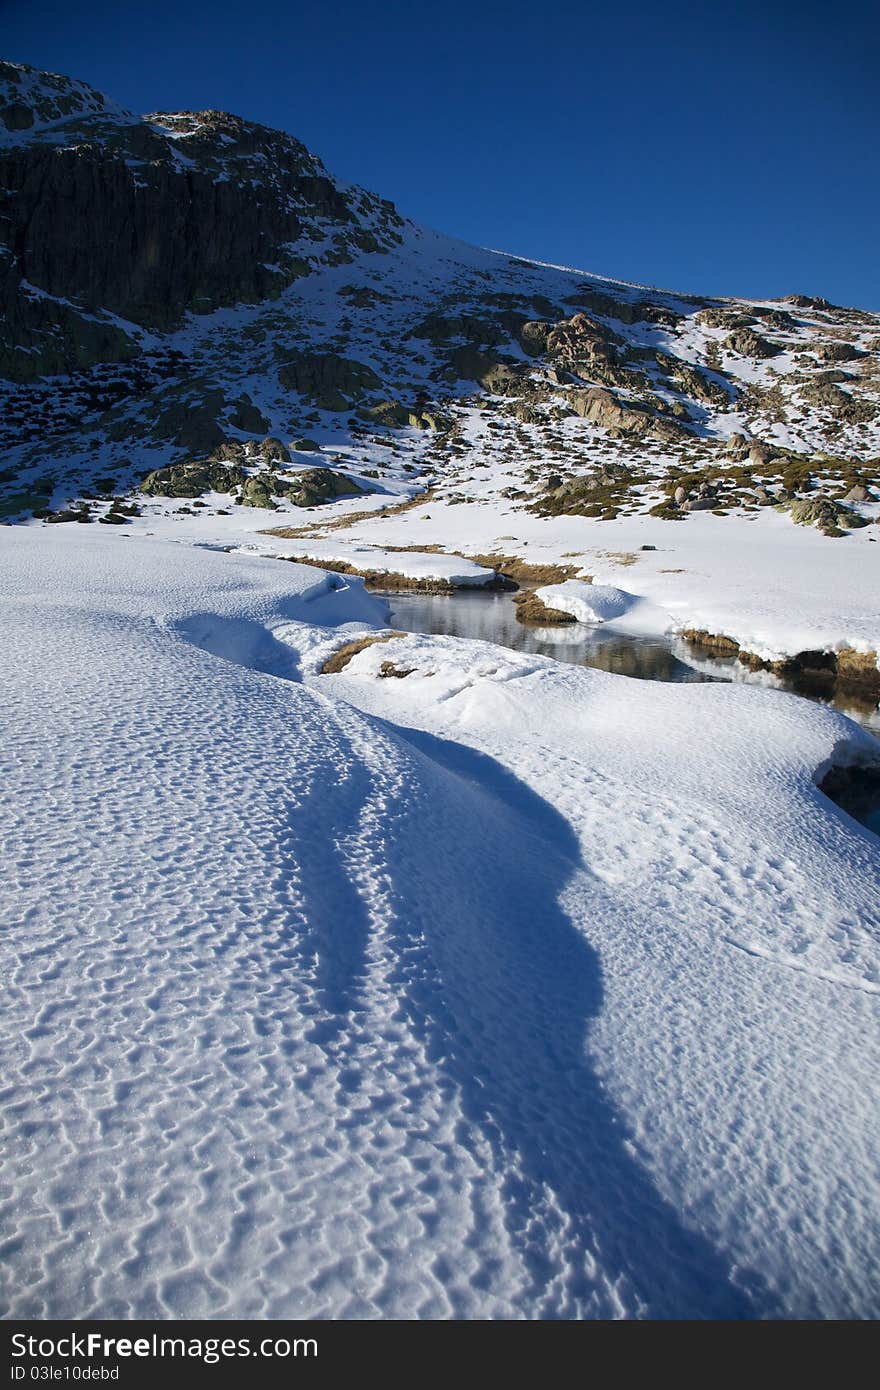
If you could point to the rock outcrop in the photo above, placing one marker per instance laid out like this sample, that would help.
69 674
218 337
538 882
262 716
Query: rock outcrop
147 218
604 408
331 382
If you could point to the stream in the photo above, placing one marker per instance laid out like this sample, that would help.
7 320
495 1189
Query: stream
490 616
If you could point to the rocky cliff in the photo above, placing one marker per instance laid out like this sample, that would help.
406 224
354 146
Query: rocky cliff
146 218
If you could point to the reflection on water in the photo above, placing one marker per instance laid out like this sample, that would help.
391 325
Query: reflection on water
490 616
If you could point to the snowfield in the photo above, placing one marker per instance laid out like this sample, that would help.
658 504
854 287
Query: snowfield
501 989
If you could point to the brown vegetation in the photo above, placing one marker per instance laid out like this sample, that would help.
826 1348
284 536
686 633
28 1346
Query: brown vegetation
522 571
351 518
532 610
713 642
340 659
389 581
843 671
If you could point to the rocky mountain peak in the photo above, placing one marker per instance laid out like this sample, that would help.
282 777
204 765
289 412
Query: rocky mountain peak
32 101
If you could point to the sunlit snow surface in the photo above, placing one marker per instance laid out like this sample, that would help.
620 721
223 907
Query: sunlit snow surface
505 989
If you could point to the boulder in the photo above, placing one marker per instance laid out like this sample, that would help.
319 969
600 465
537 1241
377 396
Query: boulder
822 512
836 352
191 479
391 414
317 485
840 404
603 408
257 491
760 454
746 343
470 364
533 336
272 448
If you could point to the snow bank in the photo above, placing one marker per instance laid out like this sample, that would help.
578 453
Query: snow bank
450 569
734 914
520 990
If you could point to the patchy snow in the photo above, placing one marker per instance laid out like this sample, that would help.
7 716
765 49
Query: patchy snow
506 989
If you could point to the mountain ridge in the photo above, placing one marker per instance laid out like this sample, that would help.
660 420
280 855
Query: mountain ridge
188 282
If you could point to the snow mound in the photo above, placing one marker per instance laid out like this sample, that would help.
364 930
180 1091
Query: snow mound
589 603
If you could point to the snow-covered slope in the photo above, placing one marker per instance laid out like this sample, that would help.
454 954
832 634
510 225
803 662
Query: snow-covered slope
529 991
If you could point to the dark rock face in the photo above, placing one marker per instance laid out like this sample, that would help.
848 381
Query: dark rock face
330 381
148 219
247 417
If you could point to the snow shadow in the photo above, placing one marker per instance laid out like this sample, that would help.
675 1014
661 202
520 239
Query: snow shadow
242 641
503 992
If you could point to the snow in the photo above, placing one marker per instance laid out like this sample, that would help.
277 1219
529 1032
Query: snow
774 587
588 603
460 573
55 102
506 989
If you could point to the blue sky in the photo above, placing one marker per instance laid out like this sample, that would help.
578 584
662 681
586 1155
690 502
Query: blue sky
728 149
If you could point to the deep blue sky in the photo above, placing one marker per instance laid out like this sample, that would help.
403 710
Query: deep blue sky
718 148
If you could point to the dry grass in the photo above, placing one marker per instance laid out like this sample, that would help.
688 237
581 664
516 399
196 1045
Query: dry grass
858 670
340 659
351 519
714 642
522 571
844 671
532 610
509 567
389 581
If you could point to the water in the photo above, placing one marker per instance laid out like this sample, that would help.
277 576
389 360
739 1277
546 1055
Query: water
490 616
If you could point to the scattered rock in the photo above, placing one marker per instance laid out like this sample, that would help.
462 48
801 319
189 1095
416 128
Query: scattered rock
822 512
191 479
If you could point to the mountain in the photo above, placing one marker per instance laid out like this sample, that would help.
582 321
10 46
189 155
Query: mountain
178 286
